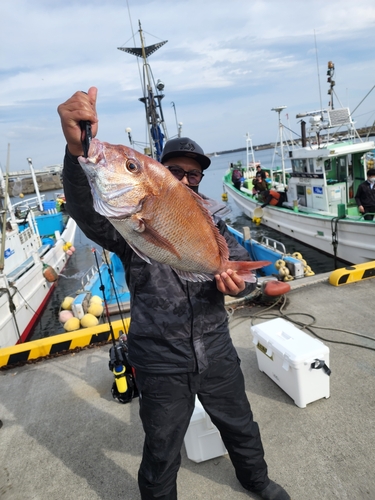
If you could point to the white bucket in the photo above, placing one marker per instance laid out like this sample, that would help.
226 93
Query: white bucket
258 213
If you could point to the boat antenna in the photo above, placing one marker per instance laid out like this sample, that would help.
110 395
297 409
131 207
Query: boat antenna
178 124
317 66
152 96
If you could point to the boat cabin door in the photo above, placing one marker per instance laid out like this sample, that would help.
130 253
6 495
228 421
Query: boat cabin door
345 174
301 195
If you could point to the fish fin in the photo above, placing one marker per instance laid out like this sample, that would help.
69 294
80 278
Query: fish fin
195 277
220 240
139 253
244 268
153 237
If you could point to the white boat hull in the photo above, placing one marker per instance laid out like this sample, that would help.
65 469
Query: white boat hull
355 237
30 292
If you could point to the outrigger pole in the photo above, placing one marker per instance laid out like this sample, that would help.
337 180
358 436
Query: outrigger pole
152 97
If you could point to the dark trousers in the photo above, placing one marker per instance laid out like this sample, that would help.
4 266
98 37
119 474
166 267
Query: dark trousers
371 210
166 405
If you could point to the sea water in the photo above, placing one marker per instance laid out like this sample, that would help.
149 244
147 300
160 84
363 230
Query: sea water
69 281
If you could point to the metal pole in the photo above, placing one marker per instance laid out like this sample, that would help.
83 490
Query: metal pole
35 184
278 110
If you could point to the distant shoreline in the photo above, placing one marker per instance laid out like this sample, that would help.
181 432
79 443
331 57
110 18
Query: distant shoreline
362 132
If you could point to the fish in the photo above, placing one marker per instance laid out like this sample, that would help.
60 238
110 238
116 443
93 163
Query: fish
159 217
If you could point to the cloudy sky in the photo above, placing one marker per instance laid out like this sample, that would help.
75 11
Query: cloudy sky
226 64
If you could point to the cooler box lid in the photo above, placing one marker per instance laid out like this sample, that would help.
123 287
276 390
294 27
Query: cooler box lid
280 336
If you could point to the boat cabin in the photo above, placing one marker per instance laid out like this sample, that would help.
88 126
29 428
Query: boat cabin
324 177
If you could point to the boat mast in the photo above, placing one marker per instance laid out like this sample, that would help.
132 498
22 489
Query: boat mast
330 80
36 187
152 96
278 110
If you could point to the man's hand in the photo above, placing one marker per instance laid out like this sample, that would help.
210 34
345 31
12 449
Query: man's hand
229 283
80 106
361 209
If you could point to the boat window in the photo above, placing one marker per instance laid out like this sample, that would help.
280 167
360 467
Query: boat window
311 165
327 165
299 165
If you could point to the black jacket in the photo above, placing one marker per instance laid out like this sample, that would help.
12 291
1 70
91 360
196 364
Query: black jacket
365 195
176 326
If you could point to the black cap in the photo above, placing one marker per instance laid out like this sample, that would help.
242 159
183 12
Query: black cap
370 171
183 146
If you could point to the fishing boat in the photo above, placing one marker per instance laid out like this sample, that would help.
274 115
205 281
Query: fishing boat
37 240
327 167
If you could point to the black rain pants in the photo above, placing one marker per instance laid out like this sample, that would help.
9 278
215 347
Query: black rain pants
166 405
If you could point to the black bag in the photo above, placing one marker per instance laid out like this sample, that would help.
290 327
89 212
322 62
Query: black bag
122 354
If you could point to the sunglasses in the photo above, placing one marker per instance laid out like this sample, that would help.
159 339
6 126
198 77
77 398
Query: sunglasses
194 176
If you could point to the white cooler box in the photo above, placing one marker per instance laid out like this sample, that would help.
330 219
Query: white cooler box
202 439
298 363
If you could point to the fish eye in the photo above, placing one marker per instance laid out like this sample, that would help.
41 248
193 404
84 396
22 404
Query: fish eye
132 167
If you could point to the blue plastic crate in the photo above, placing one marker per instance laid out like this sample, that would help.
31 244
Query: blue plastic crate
48 224
48 205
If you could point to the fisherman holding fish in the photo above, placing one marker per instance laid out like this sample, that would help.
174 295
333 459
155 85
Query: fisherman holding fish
179 262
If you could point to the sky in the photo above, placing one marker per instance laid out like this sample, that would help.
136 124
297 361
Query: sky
225 66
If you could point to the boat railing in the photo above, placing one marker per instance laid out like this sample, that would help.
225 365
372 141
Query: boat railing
30 203
271 243
89 274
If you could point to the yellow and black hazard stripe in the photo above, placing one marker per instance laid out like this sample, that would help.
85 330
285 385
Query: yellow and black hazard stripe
61 343
351 274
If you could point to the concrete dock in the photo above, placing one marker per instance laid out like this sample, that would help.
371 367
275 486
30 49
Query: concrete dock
65 437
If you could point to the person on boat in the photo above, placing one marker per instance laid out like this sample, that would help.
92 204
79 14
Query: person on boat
178 340
365 197
236 177
261 172
273 197
259 184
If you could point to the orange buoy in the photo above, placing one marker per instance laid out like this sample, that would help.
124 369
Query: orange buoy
49 273
275 288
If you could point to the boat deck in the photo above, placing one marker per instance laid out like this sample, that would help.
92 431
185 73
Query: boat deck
64 437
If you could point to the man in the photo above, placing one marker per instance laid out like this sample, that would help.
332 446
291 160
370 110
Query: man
365 197
261 172
178 340
259 184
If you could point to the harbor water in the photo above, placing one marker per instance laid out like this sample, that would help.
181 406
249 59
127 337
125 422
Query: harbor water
70 280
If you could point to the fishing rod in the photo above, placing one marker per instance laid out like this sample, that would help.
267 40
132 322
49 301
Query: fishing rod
119 369
114 288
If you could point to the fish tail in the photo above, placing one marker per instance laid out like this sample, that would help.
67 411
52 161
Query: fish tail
245 268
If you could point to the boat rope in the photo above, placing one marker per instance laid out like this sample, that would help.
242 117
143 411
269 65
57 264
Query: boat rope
12 307
335 237
281 303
